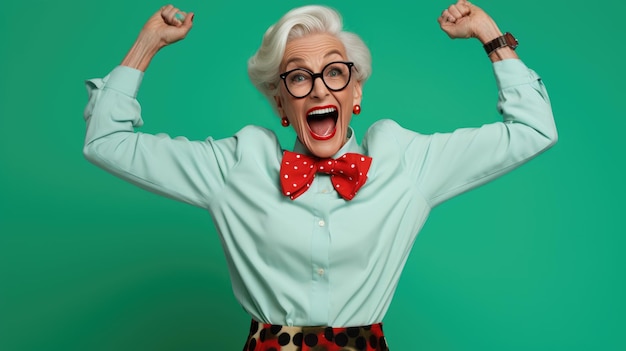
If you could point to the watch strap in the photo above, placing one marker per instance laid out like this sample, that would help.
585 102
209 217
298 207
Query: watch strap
504 40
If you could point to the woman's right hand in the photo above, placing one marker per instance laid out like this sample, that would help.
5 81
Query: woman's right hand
163 28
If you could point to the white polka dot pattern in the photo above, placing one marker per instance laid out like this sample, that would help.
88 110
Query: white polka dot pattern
348 173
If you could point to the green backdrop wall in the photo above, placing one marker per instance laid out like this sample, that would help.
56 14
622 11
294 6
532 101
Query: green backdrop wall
531 261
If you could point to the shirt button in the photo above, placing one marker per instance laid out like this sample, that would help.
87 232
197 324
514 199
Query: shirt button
321 223
321 271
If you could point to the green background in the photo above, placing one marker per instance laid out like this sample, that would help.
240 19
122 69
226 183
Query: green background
531 261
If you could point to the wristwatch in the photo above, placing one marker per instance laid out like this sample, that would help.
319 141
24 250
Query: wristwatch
505 40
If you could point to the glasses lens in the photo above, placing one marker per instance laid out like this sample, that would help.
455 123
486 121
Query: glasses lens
299 82
336 75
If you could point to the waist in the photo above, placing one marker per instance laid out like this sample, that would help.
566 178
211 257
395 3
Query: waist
264 336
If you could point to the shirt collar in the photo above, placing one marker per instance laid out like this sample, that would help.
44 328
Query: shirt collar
350 146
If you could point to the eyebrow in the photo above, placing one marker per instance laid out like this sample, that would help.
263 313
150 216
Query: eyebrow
298 60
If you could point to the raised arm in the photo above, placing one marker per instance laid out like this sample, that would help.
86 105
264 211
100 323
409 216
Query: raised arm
188 171
166 26
447 164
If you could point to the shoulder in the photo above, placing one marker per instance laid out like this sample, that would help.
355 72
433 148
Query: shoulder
383 125
256 133
387 133
258 142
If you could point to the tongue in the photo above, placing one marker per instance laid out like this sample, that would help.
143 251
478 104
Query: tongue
322 126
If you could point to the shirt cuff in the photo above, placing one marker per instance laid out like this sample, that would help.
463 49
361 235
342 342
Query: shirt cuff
512 72
125 80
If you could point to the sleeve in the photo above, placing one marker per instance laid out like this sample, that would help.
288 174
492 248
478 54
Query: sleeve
448 164
187 171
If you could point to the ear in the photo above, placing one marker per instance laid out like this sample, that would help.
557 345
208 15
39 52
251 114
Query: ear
279 106
358 92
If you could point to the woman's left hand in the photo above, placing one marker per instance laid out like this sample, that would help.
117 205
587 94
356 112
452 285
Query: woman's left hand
464 20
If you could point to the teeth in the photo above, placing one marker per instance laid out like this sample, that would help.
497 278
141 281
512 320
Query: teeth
322 111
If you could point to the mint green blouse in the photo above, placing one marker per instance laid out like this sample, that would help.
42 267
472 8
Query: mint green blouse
318 259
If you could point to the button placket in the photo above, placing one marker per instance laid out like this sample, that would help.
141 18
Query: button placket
324 185
320 289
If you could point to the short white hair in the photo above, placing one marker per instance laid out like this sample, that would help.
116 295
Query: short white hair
263 67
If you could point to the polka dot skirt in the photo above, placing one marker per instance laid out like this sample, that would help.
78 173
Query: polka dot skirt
270 337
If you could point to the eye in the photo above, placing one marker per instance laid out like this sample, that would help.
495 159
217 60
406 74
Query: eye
335 71
298 77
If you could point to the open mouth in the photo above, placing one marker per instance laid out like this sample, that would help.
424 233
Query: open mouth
322 121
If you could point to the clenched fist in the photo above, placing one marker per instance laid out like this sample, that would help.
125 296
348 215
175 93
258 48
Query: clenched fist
466 20
168 25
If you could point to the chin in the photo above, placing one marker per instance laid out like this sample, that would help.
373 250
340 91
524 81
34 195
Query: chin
326 148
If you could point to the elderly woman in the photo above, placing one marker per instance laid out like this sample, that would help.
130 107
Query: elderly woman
316 238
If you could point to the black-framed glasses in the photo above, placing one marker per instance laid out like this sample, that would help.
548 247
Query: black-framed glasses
335 75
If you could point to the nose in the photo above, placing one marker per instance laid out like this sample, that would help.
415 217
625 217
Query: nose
319 87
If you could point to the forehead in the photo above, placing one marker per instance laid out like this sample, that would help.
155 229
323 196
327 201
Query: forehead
313 49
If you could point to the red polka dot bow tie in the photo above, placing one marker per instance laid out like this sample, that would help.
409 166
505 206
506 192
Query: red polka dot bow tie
348 173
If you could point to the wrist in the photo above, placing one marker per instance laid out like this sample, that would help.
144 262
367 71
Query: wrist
502 53
141 53
501 47
487 31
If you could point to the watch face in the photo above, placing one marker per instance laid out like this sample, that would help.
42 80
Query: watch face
510 40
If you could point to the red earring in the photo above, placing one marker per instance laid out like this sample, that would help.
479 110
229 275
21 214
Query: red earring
285 122
356 109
